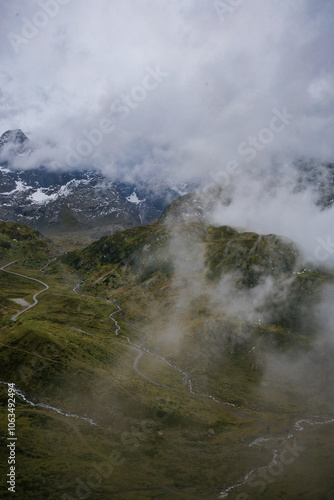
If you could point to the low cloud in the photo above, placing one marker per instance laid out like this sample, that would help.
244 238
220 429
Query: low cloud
287 201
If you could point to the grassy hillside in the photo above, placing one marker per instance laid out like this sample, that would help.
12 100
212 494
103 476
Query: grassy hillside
227 307
155 265
179 288
225 250
21 242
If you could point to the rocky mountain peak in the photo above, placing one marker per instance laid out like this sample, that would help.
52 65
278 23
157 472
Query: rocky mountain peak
74 200
15 136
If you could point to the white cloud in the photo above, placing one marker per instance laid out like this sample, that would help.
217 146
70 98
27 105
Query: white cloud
225 78
271 202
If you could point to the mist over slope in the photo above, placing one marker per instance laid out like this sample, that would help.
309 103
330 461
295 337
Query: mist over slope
203 293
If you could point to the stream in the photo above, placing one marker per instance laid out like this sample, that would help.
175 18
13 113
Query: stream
299 426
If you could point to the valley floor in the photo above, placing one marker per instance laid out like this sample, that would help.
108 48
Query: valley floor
100 415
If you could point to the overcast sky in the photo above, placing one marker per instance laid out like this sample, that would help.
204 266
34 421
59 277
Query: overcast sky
68 68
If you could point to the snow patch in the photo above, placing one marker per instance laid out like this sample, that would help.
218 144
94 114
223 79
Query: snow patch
133 198
40 197
20 187
5 170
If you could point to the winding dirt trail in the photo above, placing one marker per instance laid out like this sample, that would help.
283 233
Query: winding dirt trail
3 268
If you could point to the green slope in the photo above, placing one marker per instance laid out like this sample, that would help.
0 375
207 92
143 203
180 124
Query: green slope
21 242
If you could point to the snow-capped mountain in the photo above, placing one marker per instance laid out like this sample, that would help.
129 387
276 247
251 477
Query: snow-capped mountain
72 200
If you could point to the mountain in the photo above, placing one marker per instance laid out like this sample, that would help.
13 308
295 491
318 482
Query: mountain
13 137
82 206
157 265
201 352
75 201
200 292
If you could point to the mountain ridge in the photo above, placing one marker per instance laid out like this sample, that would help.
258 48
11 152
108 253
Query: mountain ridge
57 201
